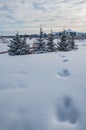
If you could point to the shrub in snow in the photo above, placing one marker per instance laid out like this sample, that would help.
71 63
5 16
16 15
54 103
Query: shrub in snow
18 46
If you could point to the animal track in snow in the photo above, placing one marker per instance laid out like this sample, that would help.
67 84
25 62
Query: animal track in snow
21 73
63 56
65 60
66 110
64 73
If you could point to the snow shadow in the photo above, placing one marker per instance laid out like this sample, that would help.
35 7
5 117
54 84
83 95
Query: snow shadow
66 110
64 73
21 73
65 60
63 56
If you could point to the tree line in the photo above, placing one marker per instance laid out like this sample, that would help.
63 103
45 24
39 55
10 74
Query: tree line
19 46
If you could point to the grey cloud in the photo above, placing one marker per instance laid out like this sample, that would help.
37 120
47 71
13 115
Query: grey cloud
22 1
10 17
35 12
6 8
80 2
39 21
20 21
39 6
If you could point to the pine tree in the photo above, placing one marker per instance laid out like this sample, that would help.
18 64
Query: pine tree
73 46
50 43
66 43
24 46
63 45
40 48
17 46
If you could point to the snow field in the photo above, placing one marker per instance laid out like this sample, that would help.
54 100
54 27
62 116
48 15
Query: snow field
43 92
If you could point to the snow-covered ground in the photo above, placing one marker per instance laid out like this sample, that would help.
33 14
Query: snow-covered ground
3 46
43 91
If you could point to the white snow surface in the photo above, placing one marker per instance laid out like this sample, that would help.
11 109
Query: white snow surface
43 91
3 47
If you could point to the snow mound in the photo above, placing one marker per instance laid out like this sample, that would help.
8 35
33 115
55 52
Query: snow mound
66 110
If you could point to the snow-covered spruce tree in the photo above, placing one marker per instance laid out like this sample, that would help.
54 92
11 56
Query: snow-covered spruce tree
63 45
40 40
66 43
50 43
72 43
18 46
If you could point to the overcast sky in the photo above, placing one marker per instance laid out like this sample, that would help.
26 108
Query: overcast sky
26 16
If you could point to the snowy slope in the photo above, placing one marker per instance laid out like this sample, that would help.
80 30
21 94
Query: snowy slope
43 92
4 44
3 47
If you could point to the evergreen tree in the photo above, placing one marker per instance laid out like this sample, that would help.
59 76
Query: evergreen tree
66 43
63 45
40 48
73 46
50 43
18 46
